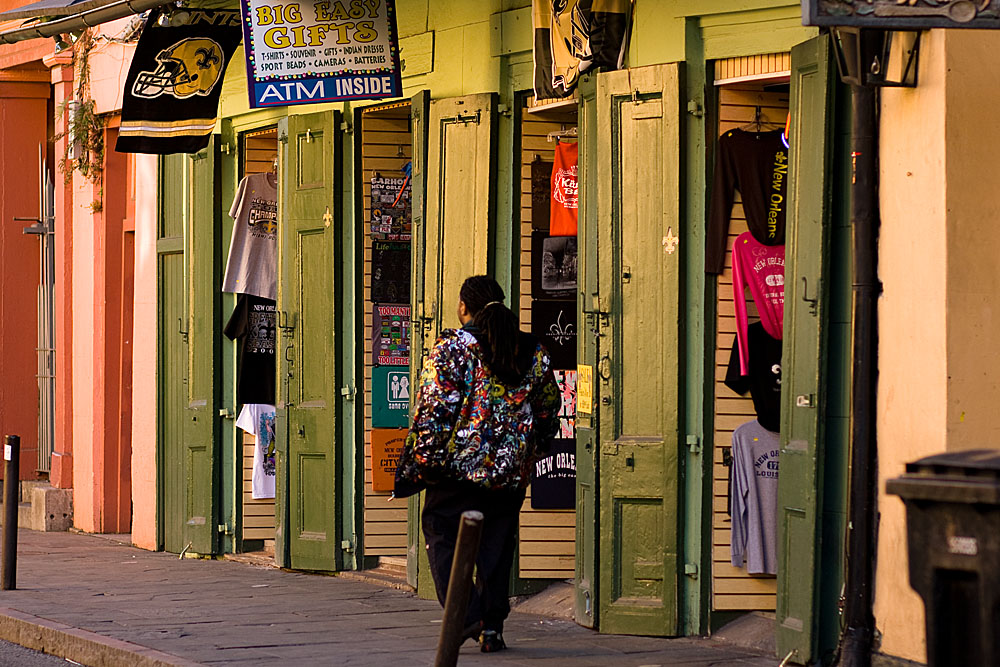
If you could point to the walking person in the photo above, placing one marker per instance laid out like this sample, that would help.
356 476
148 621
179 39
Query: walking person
486 408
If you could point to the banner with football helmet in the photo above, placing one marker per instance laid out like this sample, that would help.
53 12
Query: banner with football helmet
171 98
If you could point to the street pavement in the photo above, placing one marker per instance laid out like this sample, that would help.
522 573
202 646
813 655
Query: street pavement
99 601
14 655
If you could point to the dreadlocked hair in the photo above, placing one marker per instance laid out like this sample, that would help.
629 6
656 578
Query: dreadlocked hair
483 297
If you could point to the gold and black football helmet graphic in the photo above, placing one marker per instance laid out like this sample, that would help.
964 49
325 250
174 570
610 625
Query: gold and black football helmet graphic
192 66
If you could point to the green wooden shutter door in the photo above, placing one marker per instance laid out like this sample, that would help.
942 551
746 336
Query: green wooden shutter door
587 527
803 401
637 377
453 241
307 378
201 423
171 384
459 202
419 115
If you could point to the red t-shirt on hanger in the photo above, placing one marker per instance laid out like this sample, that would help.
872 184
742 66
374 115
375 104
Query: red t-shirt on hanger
565 190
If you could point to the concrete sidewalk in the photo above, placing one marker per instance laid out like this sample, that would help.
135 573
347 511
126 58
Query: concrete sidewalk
100 602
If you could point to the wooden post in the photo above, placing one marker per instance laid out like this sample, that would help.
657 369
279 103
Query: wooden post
11 482
470 529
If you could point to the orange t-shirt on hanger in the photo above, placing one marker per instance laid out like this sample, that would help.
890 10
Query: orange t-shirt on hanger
565 190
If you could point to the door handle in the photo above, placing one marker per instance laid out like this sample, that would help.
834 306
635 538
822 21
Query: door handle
180 328
604 368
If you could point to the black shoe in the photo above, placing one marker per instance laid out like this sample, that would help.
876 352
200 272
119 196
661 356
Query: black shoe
472 631
491 641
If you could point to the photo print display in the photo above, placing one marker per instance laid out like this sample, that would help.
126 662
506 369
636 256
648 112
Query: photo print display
553 266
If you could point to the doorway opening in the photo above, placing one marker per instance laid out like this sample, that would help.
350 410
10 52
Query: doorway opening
547 286
257 468
386 142
753 98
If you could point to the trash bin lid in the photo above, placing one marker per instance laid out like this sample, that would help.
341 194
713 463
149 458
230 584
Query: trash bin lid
970 476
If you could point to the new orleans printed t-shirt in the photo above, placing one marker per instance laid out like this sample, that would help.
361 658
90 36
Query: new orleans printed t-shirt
763 379
762 269
252 267
755 163
253 325
754 502
257 419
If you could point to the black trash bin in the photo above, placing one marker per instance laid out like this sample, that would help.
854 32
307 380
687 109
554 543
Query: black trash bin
953 531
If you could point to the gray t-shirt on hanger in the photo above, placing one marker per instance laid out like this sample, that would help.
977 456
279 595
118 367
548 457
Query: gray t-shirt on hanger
754 502
252 267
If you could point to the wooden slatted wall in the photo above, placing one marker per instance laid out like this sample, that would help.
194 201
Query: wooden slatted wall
261 149
733 588
547 537
385 148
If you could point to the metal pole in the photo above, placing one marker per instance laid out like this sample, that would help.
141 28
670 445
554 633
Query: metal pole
470 529
11 482
858 619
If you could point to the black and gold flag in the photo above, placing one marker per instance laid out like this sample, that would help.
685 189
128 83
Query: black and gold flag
574 36
171 97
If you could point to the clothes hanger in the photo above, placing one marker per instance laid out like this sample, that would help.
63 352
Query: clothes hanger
759 121
570 133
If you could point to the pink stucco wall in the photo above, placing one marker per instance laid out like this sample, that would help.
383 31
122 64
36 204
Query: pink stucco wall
144 357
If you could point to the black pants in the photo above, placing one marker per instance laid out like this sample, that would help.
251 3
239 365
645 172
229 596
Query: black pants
443 506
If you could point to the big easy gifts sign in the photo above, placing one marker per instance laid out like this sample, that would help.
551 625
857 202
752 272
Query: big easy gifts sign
320 51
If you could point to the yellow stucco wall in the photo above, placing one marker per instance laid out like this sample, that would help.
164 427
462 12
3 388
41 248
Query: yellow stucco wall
938 385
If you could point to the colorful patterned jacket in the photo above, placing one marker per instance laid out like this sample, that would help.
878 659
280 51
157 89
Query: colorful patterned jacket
470 426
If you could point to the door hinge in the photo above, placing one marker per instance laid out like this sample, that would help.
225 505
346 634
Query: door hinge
226 413
691 570
225 528
348 392
347 546
693 443
347 128
694 108
504 110
805 401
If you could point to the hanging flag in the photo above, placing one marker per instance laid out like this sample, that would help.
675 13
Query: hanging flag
565 190
171 97
572 37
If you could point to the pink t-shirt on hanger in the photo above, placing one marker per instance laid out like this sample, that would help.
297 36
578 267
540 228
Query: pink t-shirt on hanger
762 267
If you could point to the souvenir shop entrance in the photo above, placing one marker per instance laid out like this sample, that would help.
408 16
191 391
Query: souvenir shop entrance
780 244
288 471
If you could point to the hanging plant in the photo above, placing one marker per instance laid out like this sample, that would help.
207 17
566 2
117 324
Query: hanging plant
84 133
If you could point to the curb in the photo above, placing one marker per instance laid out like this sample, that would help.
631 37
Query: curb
83 646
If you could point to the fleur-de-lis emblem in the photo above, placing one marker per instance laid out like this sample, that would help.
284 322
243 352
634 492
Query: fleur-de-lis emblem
670 241
206 57
561 333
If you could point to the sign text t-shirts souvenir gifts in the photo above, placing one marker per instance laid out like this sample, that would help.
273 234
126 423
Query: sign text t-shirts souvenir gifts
253 255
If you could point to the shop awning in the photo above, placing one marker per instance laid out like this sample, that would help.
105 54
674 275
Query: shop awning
53 8
76 16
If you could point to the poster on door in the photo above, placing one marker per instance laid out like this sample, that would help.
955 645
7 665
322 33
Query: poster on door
390 209
554 322
390 335
553 266
387 445
390 272
320 51
390 397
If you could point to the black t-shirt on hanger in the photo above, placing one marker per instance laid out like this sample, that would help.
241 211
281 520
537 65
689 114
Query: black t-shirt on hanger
253 325
755 163
764 378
